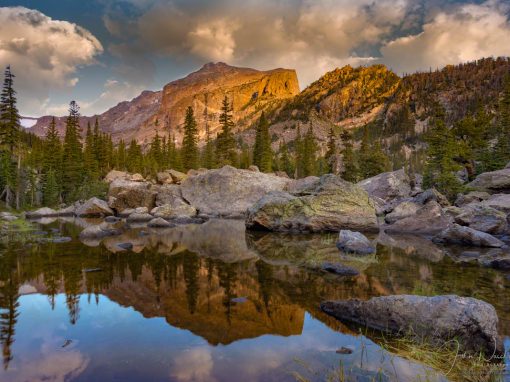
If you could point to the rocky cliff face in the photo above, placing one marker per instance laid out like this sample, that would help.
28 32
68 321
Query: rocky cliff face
250 92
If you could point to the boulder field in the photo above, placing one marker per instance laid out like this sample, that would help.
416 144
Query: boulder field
391 202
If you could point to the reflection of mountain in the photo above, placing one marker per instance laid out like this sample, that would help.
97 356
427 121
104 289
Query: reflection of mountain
224 285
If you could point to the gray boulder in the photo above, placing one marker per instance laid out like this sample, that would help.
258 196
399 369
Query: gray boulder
493 182
228 192
354 242
429 219
303 186
178 209
339 269
472 322
159 223
456 234
499 202
136 217
473 196
333 205
7 216
41 213
431 194
388 185
402 211
125 194
482 218
94 207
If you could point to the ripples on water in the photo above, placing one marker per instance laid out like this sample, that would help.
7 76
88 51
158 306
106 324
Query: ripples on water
211 303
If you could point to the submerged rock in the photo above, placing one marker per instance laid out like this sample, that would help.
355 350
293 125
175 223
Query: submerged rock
228 192
435 319
339 269
456 234
99 231
354 242
332 205
7 216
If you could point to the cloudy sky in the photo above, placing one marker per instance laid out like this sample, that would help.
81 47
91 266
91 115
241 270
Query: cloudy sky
101 52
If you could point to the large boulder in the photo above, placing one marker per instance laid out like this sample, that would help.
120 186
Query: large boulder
354 242
43 212
482 218
94 207
499 202
473 196
228 192
456 234
177 209
303 186
124 194
471 322
388 185
333 205
494 182
401 211
115 174
428 219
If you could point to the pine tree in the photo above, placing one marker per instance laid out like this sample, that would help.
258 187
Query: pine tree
330 156
298 154
189 142
225 142
350 170
121 156
91 166
51 188
134 157
372 159
10 152
286 163
72 166
262 152
309 153
52 165
501 152
440 166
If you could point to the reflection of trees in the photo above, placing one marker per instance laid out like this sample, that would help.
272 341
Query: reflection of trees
265 279
8 303
191 267
228 278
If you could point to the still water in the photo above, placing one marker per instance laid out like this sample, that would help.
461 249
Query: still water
211 302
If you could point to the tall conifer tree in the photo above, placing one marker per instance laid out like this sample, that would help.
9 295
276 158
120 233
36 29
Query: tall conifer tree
190 141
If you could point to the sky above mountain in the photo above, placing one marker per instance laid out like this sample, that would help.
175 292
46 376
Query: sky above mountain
101 52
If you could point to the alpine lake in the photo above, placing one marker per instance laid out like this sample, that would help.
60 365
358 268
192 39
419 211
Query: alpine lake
214 302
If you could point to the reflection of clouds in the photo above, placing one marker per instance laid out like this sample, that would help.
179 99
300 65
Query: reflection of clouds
59 366
193 365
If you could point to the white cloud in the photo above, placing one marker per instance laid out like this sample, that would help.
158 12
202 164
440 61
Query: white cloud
193 365
45 53
464 33
213 40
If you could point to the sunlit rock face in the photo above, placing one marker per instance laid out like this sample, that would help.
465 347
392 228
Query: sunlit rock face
249 92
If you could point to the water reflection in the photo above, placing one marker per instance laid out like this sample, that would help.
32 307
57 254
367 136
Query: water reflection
207 285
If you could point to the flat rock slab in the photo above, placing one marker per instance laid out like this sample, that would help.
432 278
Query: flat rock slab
434 319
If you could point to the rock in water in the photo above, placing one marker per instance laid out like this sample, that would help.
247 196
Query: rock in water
94 207
332 205
228 192
434 319
456 234
139 217
99 231
493 182
339 269
41 213
159 223
354 242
